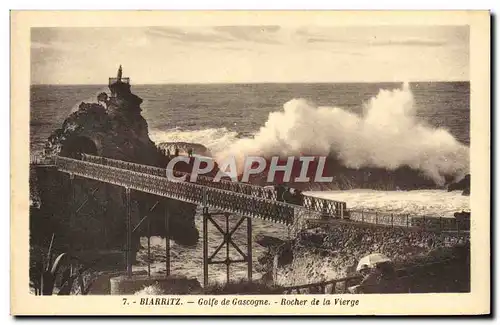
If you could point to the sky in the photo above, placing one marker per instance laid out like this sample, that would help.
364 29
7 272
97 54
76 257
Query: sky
250 54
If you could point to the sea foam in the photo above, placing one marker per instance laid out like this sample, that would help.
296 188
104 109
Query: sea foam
387 135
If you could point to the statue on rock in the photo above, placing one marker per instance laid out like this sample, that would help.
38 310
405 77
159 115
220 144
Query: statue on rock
119 74
118 131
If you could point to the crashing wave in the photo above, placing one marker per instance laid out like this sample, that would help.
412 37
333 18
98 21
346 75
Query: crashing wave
386 148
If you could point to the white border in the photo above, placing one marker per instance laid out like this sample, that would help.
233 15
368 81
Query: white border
256 4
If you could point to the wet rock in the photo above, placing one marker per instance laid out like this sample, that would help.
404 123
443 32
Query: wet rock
345 178
462 185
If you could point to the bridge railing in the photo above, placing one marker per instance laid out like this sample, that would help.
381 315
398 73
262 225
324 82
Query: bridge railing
115 80
40 160
341 285
408 221
325 287
202 180
324 206
243 204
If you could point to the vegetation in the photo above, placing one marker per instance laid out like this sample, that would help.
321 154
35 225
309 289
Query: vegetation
52 273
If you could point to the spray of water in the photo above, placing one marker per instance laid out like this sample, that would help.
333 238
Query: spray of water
92 99
215 139
387 135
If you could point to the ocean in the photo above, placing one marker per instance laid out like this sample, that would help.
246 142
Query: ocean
385 124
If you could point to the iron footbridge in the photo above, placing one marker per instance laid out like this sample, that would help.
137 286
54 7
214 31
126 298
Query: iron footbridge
225 197
240 198
217 198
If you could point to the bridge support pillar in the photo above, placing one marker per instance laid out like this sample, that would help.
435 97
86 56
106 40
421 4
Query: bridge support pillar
249 249
206 215
167 239
147 217
149 246
72 200
128 213
227 241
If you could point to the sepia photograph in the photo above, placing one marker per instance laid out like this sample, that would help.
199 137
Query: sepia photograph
265 159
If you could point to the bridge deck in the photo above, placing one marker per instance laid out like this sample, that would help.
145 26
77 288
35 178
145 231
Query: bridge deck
323 206
242 198
146 181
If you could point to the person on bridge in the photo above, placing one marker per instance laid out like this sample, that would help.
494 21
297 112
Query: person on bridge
176 152
168 153
280 190
299 197
288 195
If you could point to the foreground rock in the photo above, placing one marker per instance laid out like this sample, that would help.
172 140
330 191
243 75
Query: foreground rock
332 252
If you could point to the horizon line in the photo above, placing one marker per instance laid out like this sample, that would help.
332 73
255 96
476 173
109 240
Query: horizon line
253 83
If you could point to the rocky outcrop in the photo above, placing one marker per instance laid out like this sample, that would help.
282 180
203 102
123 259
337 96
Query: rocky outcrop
89 215
462 185
332 252
345 178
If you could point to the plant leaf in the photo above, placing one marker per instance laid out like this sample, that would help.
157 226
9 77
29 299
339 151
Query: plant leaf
57 264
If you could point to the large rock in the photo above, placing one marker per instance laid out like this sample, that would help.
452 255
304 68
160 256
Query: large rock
345 178
462 185
112 127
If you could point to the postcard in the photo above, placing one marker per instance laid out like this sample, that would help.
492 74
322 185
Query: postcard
250 163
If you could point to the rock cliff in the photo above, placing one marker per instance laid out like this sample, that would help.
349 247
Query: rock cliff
111 127
462 185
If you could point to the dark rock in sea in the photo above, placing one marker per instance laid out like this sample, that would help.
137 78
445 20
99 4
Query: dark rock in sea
462 220
462 185
114 129
345 178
